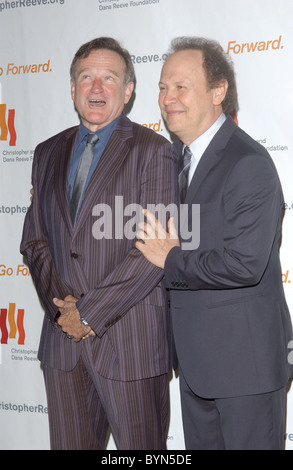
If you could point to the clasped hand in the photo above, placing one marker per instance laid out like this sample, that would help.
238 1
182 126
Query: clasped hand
69 319
153 242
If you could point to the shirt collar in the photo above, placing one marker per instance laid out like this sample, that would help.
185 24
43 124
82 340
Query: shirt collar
103 133
199 145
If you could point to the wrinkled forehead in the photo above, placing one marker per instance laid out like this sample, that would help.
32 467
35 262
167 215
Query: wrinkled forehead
183 65
102 58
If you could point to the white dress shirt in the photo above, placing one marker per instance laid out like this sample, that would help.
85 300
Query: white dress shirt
199 145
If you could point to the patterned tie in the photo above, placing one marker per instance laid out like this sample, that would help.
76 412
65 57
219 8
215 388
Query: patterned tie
183 175
81 176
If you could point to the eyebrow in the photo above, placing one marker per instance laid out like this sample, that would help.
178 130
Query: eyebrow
113 72
176 83
88 69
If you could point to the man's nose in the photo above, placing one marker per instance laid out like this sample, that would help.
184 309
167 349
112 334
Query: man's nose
168 97
97 85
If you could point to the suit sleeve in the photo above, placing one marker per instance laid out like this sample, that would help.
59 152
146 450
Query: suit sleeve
34 246
132 280
252 208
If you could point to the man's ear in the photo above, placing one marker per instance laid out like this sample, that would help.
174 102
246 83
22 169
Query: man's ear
128 91
219 92
72 89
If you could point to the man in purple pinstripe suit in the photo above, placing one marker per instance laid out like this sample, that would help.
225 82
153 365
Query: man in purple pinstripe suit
104 342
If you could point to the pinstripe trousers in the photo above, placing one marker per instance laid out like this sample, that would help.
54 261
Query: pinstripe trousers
83 407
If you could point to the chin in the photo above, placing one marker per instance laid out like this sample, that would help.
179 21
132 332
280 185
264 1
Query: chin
173 128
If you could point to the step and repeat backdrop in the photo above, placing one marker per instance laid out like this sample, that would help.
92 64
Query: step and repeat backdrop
38 39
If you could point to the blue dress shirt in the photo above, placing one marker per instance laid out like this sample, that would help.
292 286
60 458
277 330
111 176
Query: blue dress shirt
104 135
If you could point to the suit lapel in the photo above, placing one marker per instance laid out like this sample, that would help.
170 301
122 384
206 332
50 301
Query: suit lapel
62 162
115 153
210 157
208 160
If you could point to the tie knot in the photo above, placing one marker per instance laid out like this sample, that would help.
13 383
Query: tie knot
92 138
187 154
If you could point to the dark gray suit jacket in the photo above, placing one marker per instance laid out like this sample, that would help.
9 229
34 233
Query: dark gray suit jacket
230 318
119 290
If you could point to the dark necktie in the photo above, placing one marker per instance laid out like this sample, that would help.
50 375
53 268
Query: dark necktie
183 175
81 175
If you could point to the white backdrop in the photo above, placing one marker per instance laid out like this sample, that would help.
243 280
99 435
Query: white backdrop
38 39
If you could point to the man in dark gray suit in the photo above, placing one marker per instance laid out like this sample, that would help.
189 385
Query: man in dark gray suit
231 323
106 357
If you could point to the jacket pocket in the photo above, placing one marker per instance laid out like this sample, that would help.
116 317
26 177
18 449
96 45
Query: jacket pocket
233 296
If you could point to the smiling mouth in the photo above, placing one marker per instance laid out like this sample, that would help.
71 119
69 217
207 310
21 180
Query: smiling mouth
173 113
171 110
97 103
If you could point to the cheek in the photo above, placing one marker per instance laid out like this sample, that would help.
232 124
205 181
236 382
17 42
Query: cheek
82 90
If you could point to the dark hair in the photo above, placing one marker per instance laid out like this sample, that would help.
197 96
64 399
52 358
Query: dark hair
217 65
104 43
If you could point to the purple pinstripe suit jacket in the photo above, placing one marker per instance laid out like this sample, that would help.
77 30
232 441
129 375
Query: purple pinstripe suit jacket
119 292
